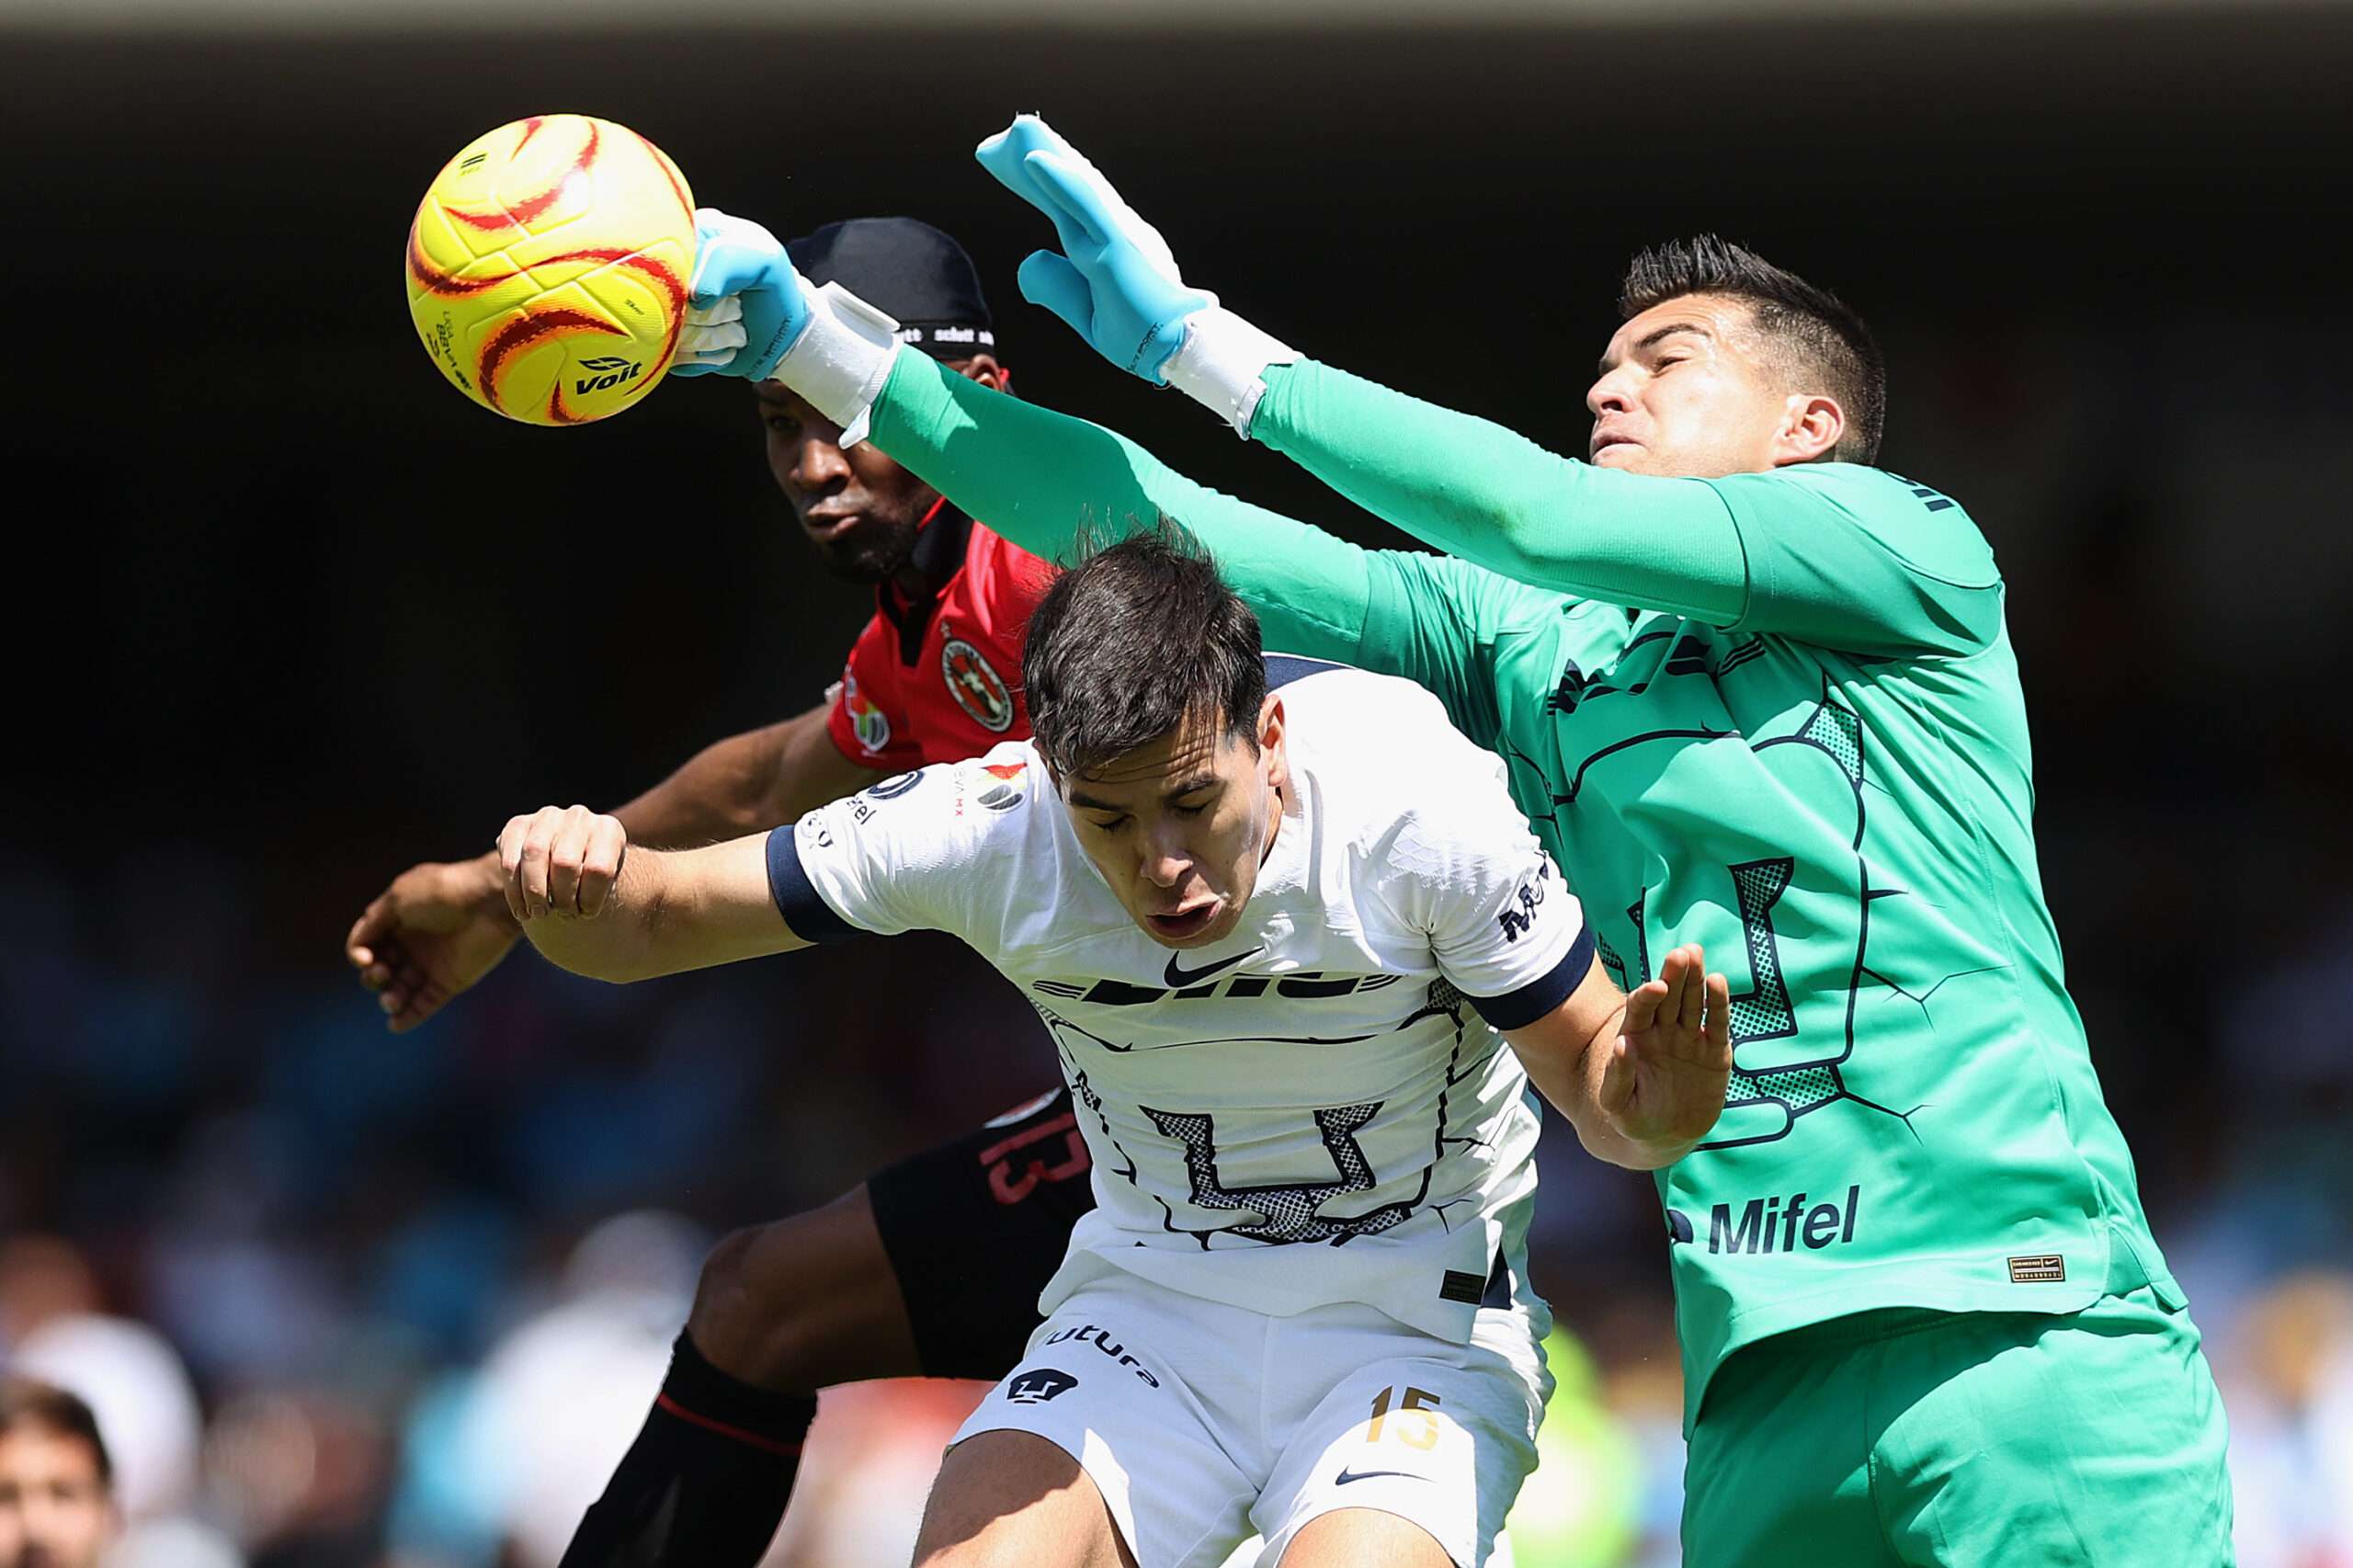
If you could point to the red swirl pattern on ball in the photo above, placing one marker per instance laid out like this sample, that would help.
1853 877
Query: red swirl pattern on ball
523 330
439 279
521 214
671 285
685 203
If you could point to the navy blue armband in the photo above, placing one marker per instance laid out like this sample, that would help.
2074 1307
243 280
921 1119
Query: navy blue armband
1517 1009
810 917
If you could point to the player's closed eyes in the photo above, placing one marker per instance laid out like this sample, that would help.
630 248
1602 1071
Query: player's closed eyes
1116 823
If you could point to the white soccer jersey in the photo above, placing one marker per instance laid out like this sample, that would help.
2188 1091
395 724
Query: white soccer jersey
1319 1108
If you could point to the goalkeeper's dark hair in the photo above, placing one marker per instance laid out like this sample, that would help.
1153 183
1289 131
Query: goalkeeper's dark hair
1138 638
1823 344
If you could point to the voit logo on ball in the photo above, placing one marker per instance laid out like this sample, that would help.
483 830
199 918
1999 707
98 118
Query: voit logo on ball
616 370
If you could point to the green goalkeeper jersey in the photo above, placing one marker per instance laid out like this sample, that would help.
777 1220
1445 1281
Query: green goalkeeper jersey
1776 714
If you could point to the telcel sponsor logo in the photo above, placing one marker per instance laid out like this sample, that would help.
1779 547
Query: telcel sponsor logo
1776 1224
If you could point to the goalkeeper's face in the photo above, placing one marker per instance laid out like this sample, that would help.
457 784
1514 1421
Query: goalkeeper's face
1179 827
1689 388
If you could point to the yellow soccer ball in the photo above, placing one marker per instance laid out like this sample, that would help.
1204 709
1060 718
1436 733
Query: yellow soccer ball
548 268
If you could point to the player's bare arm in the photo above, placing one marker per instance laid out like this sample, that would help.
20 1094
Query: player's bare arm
594 906
441 926
437 928
1642 1077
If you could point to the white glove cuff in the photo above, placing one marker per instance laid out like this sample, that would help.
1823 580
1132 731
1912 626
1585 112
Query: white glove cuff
1221 365
841 359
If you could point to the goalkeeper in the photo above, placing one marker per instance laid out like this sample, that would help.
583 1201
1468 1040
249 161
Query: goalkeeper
1753 693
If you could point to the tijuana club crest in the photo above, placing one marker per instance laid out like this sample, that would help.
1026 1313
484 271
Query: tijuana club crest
978 689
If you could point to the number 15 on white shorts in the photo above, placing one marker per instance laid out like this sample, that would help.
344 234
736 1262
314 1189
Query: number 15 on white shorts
1205 1425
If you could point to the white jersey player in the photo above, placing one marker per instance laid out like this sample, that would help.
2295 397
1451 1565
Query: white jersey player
1280 921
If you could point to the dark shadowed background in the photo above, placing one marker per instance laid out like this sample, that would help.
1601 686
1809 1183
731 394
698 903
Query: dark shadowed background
287 614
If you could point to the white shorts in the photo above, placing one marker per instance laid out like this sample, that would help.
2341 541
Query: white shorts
1204 1425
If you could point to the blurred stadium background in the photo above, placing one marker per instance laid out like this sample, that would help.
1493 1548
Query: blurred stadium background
287 616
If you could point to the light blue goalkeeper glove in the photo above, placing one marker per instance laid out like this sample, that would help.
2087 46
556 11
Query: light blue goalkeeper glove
752 314
1115 281
746 304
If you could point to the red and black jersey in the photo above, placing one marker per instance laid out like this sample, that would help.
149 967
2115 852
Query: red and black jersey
938 680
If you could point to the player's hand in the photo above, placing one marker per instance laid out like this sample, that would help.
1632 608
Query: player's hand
746 304
560 861
438 928
1114 281
1664 1085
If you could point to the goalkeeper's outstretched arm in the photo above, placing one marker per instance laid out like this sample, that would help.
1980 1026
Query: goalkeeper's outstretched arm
1827 553
1051 481
1469 487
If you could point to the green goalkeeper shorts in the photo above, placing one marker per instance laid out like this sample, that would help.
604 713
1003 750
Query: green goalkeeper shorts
2012 1439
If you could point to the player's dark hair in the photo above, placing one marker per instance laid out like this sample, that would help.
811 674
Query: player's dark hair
1127 646
25 1403
1825 345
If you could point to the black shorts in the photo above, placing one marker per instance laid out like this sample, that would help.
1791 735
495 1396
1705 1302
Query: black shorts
976 1227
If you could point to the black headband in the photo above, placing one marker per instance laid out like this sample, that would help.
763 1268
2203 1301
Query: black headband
911 270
